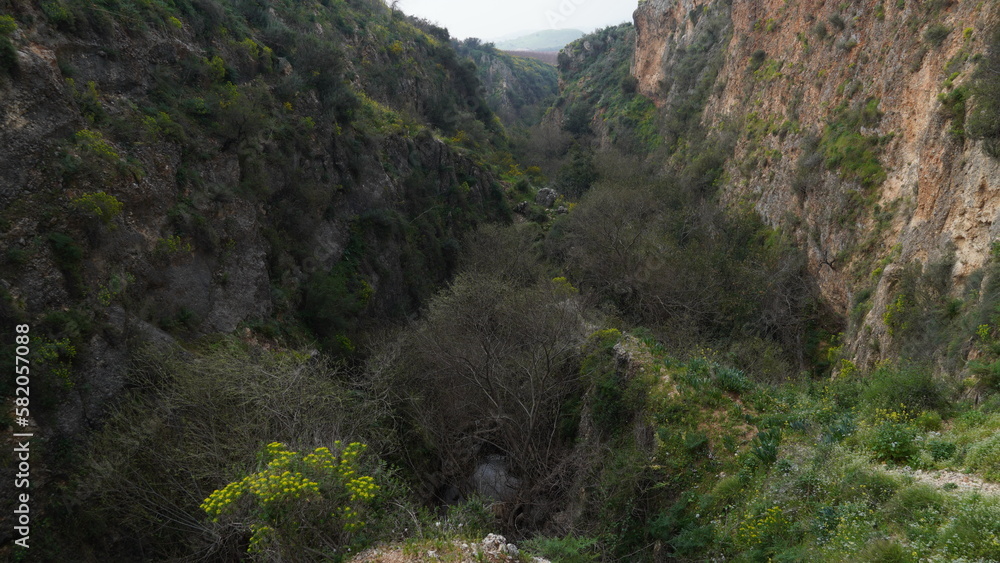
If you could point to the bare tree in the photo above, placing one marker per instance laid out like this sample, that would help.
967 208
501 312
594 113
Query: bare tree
489 369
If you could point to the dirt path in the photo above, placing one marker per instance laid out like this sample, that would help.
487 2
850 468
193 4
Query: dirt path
943 479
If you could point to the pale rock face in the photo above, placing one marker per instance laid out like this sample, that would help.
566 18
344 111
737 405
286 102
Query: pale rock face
661 27
941 190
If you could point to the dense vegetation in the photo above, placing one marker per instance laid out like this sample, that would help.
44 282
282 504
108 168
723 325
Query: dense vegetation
518 89
647 376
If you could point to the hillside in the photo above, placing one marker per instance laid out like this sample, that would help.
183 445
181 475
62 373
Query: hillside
550 40
316 282
246 130
301 173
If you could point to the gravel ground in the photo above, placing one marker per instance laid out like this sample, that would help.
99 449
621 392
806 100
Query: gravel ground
945 479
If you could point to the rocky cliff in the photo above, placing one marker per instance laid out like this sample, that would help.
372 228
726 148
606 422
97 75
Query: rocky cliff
518 89
850 120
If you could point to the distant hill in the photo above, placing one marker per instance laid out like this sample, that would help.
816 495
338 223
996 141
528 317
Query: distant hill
547 40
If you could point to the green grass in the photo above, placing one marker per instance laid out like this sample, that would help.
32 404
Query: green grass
849 151
797 471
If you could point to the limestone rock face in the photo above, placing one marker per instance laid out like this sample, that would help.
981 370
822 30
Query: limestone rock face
662 28
789 71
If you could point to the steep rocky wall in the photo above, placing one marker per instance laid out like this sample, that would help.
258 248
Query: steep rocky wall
791 71
663 27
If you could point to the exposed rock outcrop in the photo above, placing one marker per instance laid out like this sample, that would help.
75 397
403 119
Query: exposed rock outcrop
791 72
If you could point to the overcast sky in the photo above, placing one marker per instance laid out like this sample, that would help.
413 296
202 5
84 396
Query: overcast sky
490 19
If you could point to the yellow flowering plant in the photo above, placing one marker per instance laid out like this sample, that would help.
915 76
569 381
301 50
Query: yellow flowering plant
762 529
296 500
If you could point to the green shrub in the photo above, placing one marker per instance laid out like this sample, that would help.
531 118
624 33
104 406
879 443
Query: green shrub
933 7
317 501
886 551
692 539
756 60
727 488
928 421
8 56
880 11
98 205
953 106
912 387
847 149
936 34
765 446
732 380
333 300
839 428
837 21
847 44
475 516
74 325
93 155
578 174
983 122
941 450
173 245
893 441
695 442
915 501
89 101
18 256
610 409
629 85
984 457
322 63
759 360
971 419
820 30
7 25
987 374
862 483
59 15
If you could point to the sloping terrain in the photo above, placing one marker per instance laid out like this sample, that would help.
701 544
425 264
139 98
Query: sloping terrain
315 282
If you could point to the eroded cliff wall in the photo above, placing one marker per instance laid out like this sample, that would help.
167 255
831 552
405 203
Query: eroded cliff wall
850 133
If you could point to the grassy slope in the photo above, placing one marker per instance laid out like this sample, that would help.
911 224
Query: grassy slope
807 471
